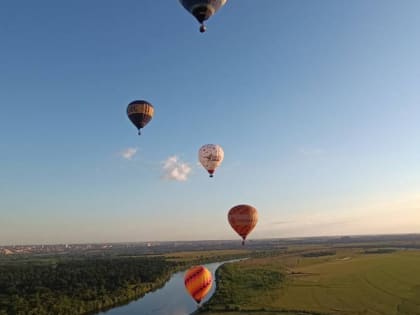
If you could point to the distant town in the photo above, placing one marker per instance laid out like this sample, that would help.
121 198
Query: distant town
145 248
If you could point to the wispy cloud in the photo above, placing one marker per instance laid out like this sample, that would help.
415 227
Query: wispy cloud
128 153
389 214
308 151
281 222
175 169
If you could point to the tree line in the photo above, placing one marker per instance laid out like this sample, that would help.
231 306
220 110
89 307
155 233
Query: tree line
78 286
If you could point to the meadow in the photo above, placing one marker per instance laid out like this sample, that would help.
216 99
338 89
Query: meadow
343 281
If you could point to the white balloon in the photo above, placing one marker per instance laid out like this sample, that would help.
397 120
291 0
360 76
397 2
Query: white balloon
211 156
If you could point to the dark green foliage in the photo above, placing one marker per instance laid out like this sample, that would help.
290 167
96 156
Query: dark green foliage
320 253
78 286
380 251
236 286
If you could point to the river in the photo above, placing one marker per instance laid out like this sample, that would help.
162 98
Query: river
171 299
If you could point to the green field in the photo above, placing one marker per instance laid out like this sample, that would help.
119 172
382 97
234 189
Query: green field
211 256
348 281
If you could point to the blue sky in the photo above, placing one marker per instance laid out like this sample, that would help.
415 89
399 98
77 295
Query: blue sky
316 104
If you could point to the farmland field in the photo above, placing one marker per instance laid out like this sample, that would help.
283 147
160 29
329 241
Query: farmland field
346 281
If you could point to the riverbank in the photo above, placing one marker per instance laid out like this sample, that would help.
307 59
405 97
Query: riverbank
80 285
171 299
182 260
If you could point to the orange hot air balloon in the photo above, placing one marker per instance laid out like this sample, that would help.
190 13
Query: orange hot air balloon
198 281
243 219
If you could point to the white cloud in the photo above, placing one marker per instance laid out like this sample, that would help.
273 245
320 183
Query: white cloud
128 153
174 169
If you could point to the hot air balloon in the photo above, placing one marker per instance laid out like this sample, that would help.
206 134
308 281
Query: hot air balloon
140 113
211 156
198 281
202 10
243 219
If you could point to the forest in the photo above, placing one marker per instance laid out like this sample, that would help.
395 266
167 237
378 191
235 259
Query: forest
78 286
81 285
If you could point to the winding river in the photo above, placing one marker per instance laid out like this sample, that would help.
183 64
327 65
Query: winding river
171 299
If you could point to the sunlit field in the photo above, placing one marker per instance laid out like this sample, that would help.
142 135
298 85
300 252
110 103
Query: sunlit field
348 282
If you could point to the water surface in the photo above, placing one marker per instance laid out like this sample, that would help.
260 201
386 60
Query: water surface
171 299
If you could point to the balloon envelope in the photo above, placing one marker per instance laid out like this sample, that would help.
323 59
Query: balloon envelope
211 156
140 113
198 281
202 10
243 219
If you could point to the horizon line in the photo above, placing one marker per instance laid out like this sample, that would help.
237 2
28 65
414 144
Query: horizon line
221 240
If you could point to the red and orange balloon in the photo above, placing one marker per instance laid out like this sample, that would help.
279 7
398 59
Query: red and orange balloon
198 281
243 219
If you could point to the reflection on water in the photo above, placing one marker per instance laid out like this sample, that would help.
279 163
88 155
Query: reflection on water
172 299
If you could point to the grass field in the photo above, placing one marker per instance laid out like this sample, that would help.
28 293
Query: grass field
347 282
212 255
